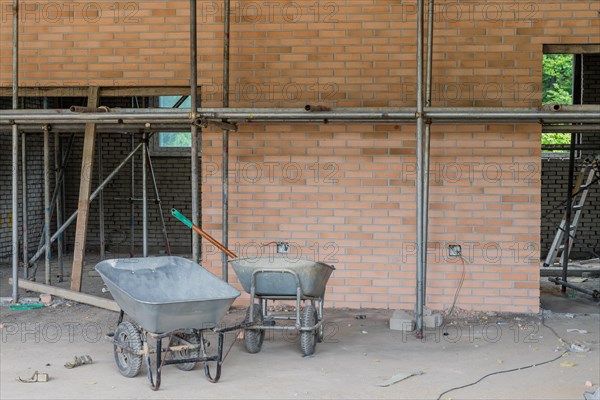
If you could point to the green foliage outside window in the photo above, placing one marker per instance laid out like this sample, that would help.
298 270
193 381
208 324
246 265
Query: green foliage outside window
557 87
174 139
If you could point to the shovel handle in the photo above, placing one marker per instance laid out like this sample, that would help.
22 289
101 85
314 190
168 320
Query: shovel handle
205 235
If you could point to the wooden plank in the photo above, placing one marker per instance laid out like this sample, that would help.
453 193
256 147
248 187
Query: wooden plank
50 91
85 187
145 91
571 48
113 91
95 301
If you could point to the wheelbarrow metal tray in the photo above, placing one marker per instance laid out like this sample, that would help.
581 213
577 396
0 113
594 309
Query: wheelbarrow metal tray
163 294
313 275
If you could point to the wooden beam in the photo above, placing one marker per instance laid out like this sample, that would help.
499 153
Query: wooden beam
85 187
113 91
47 91
95 301
571 48
145 91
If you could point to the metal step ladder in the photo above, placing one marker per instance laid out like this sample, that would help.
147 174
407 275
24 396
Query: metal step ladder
589 173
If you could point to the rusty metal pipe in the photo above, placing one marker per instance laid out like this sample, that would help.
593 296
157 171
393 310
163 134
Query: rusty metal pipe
79 109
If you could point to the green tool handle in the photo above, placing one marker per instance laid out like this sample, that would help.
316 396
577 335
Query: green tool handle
181 217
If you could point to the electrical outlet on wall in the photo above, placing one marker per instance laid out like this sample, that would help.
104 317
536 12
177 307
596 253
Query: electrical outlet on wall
455 250
283 247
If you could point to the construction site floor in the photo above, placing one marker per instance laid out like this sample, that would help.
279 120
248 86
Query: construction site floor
358 354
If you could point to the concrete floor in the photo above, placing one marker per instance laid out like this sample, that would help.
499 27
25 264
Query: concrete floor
357 355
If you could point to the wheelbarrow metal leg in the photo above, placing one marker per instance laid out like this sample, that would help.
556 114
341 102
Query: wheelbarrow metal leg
155 386
218 359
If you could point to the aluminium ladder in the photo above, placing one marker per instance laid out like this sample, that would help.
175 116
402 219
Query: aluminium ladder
590 168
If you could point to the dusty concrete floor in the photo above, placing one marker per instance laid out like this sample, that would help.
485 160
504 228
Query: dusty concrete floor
357 355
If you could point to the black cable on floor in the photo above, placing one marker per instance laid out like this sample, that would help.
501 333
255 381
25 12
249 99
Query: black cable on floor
513 369
500 372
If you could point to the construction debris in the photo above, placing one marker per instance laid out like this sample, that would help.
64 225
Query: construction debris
78 360
399 377
36 377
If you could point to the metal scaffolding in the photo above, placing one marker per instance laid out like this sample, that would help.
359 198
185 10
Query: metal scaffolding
149 120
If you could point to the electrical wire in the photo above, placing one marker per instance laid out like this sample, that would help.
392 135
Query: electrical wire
515 369
460 284
502 372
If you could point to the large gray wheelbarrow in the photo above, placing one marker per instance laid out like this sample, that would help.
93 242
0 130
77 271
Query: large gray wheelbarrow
166 297
282 278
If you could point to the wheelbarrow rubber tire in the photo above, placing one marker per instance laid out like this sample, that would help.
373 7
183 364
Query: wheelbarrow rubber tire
183 354
128 364
253 338
308 339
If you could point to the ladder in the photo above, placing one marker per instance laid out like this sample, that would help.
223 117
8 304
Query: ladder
589 169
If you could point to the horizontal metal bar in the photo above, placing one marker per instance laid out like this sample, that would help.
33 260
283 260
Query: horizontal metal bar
286 327
594 292
166 116
112 91
548 147
78 128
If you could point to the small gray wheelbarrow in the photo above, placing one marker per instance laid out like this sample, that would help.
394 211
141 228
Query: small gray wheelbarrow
278 278
281 278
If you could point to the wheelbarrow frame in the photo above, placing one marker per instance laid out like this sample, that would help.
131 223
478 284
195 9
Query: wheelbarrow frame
299 297
161 354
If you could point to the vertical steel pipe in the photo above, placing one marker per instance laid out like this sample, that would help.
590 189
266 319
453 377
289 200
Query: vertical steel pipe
25 226
145 196
225 179
15 154
58 186
101 200
47 205
195 168
15 213
53 202
427 141
131 202
420 175
568 212
159 204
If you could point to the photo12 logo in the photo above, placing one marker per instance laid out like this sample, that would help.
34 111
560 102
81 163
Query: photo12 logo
490 11
69 12
490 172
519 331
292 251
275 172
325 11
52 332
453 92
257 92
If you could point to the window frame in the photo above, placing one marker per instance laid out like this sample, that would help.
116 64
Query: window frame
577 87
161 151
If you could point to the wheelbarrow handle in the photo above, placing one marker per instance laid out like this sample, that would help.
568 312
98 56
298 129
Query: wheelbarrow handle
205 235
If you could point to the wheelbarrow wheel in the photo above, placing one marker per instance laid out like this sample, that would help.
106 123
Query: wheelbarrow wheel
308 339
183 354
128 360
253 338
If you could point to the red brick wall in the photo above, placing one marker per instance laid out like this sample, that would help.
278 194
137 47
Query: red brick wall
485 190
